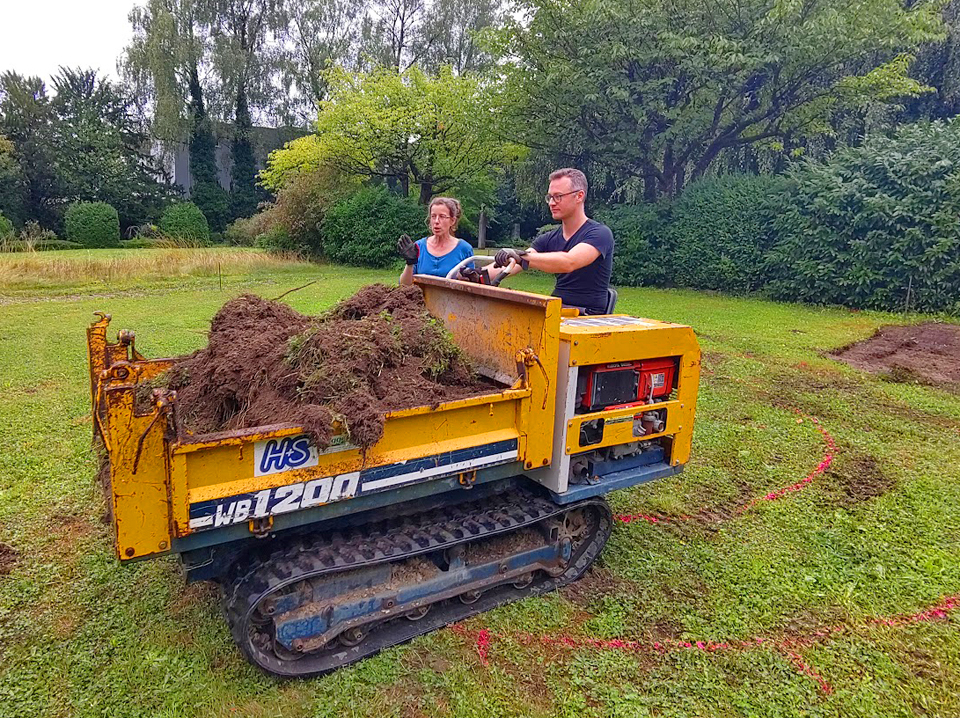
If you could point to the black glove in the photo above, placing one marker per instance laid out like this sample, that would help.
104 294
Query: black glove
469 274
408 249
503 257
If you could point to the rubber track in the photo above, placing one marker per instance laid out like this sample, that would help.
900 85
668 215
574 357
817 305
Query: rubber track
396 540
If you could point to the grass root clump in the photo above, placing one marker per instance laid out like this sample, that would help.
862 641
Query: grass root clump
376 352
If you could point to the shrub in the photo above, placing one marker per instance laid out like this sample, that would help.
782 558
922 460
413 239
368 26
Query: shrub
874 224
719 230
184 220
92 224
6 227
41 245
363 229
638 257
213 202
141 243
304 201
243 232
277 239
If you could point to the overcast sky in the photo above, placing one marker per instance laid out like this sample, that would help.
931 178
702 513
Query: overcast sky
37 36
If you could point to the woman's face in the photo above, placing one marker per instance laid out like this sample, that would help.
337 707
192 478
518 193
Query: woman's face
440 220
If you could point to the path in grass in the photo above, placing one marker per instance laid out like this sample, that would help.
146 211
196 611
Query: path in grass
875 534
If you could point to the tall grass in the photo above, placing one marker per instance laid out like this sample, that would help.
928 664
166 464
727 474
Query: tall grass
104 265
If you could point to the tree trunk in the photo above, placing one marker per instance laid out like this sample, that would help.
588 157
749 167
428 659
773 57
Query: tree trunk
426 192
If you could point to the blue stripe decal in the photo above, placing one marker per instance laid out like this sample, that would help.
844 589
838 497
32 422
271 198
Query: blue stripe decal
316 492
430 462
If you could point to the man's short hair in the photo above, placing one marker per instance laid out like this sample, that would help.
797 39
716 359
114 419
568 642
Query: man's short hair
578 180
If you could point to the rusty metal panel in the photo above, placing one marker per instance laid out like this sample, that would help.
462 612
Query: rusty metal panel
491 324
511 336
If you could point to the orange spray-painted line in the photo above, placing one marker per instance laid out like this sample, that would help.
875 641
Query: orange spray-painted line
789 647
830 450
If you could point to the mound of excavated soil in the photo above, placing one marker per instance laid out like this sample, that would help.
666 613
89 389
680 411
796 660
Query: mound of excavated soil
926 353
378 351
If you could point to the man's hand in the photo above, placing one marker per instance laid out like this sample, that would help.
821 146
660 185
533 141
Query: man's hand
503 257
408 249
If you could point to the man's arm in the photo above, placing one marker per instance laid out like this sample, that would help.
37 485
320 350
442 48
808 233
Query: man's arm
562 262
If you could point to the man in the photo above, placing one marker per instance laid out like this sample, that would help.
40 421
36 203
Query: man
580 252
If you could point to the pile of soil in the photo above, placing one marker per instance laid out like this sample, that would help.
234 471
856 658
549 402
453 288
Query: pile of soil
924 353
378 351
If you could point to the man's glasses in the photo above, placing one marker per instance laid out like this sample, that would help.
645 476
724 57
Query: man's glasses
554 198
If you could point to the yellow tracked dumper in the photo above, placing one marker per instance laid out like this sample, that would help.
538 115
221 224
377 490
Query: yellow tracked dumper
326 556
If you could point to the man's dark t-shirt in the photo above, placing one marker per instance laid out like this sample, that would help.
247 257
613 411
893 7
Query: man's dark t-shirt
585 287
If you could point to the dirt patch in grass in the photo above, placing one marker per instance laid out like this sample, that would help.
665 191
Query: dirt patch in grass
859 479
799 390
73 527
922 353
9 557
596 583
376 352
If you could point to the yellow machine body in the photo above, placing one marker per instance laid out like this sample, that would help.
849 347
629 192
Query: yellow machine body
170 490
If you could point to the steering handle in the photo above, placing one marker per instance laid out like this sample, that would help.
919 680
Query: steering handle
477 259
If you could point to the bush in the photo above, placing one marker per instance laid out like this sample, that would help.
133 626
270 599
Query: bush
42 245
6 227
244 231
874 224
638 257
184 220
277 239
92 224
719 230
213 202
142 243
363 229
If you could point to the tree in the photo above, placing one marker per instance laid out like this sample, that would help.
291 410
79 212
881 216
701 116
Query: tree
101 151
938 65
169 47
11 183
651 93
321 34
243 172
874 226
434 132
26 120
451 33
395 38
242 31
205 189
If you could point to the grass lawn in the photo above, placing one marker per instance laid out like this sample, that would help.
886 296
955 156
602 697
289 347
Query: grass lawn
783 596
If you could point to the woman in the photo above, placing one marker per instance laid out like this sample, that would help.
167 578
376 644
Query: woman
442 251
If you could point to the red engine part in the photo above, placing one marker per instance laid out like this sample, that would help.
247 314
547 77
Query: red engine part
623 384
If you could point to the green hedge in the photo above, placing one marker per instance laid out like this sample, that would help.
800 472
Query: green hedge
639 258
184 220
876 226
363 229
713 236
40 245
92 224
719 231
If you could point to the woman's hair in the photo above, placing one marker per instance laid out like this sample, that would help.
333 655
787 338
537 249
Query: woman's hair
451 205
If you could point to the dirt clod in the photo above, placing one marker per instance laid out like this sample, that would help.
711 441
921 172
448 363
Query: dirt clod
376 352
8 558
859 479
922 353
